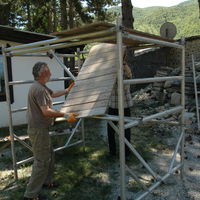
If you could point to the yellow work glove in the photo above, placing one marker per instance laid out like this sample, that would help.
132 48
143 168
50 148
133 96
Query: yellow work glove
71 117
70 86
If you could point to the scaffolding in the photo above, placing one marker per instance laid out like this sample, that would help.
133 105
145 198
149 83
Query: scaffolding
110 33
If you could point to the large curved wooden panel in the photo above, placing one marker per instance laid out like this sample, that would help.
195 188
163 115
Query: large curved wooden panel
91 94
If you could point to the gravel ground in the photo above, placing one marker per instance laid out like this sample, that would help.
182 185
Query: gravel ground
176 188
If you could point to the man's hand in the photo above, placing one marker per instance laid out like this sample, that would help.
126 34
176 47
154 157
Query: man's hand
70 86
71 117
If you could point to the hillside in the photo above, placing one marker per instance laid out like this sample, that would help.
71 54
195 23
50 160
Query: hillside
185 16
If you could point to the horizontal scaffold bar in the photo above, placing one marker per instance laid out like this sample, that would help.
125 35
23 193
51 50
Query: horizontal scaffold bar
45 55
152 41
25 108
176 109
155 185
70 145
58 40
25 161
114 118
151 80
31 81
62 45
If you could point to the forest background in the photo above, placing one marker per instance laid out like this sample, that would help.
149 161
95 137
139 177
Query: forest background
47 16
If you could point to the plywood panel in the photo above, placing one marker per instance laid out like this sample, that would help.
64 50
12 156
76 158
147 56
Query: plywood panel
87 99
91 93
98 66
100 59
84 106
97 73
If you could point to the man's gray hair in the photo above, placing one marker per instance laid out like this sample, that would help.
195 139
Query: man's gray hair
38 68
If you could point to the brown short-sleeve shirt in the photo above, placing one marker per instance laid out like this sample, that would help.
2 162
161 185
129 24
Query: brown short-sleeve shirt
39 95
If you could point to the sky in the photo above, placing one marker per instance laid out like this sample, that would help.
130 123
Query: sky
149 3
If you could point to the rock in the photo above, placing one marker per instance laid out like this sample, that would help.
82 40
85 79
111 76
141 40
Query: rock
168 84
175 98
189 117
188 138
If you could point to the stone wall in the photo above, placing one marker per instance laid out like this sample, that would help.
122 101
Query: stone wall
147 64
192 47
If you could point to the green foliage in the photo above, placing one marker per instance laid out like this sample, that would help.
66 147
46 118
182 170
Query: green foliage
185 16
46 16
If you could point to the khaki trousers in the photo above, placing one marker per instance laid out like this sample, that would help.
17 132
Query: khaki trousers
43 166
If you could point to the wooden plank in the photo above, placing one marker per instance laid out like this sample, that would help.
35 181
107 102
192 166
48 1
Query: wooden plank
87 99
86 113
100 59
5 145
99 66
92 85
7 138
93 112
81 107
102 49
97 26
92 91
92 80
100 72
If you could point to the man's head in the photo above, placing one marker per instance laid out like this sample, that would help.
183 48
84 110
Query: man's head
41 71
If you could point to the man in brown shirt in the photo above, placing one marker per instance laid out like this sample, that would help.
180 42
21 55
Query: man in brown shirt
40 116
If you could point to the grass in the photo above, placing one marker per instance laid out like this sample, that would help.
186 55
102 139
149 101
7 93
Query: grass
83 173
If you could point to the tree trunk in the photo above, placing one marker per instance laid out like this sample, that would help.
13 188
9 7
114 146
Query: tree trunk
199 7
127 15
4 13
127 21
29 24
63 9
54 6
71 14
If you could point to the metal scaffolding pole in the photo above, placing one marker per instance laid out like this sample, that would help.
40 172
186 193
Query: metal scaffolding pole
152 41
124 122
59 40
62 45
121 110
62 65
183 104
9 112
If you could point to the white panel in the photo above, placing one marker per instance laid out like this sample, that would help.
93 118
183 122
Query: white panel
22 70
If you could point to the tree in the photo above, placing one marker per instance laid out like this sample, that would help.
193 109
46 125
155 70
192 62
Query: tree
5 9
46 16
127 15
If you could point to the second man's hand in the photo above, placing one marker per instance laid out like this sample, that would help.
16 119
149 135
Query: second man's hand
70 86
71 117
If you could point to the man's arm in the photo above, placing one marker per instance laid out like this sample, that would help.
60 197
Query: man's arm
62 92
49 112
59 93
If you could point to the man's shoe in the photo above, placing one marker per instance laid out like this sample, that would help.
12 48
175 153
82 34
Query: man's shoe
40 197
50 185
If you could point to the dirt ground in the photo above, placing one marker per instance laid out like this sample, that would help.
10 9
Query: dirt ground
156 145
174 187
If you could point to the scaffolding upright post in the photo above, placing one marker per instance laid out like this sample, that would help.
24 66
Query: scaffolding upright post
183 105
79 59
121 110
9 112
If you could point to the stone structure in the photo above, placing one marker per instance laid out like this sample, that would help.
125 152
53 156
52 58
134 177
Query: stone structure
165 62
